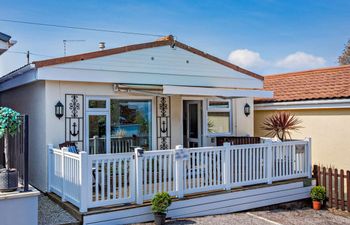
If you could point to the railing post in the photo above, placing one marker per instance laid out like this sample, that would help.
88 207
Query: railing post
227 170
84 185
63 175
269 160
49 169
308 157
139 174
179 165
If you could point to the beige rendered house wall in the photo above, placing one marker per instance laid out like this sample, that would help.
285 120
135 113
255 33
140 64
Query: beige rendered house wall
30 99
55 91
329 130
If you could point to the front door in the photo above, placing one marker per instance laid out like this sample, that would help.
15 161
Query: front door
193 124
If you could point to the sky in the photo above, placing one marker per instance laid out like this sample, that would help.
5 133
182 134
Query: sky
264 36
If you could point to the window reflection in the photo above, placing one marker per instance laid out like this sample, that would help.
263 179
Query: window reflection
130 125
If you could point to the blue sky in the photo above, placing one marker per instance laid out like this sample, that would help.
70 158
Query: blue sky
265 36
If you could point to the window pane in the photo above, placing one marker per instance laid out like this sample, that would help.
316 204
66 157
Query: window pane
218 122
97 104
219 104
97 134
130 125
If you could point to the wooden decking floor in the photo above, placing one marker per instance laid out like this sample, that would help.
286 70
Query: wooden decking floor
74 211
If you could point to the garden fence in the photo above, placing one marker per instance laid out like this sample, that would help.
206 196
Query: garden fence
337 184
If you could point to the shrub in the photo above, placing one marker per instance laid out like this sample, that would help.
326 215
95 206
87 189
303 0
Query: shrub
281 124
160 202
9 125
318 193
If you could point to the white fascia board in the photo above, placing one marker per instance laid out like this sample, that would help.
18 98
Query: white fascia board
18 79
112 76
200 91
311 104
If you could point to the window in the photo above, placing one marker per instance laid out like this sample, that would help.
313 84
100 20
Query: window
97 104
219 117
131 124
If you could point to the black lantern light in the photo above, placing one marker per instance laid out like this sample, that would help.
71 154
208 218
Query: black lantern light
247 109
59 110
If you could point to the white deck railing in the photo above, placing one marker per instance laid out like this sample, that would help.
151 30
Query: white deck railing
89 181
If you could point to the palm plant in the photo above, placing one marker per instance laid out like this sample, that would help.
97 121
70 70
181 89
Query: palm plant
9 125
281 124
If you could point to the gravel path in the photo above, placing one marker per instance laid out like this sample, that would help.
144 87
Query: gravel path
52 214
304 216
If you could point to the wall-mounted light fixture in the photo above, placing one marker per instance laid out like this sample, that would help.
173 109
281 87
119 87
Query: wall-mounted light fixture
59 110
247 109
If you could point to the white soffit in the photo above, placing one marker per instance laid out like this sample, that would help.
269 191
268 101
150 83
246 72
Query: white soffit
222 92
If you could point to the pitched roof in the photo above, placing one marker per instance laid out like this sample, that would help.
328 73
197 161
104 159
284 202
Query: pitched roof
168 40
325 83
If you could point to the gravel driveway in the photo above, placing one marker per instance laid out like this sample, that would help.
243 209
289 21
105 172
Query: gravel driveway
272 217
52 214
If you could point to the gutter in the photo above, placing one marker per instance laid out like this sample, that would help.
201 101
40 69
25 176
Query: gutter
310 104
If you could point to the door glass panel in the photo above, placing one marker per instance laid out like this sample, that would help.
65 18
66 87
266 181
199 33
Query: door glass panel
131 125
193 120
97 134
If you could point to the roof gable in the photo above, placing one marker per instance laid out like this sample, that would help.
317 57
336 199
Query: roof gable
166 41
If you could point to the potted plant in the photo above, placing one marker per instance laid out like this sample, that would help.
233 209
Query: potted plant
9 125
160 203
318 195
281 124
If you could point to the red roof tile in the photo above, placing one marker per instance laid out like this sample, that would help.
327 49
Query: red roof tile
325 83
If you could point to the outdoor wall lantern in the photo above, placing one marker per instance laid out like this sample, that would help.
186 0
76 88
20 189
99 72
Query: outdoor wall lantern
247 109
59 110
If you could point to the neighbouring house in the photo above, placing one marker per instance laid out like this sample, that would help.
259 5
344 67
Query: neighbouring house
116 126
5 42
321 99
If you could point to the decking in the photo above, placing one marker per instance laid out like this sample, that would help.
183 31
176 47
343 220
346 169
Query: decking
101 181
201 204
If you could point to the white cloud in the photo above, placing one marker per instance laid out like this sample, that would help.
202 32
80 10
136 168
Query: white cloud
293 62
301 60
246 58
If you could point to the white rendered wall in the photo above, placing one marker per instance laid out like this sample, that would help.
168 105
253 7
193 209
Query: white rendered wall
30 99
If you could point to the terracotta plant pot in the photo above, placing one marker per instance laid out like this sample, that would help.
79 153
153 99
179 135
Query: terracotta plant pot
159 218
316 205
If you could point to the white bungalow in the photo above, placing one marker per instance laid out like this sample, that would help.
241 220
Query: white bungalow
147 118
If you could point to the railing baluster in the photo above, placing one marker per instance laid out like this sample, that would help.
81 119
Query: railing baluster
120 187
114 180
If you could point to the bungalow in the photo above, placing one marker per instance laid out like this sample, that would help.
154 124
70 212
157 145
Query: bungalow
116 126
321 99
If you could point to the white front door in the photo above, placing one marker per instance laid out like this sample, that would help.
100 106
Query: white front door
193 123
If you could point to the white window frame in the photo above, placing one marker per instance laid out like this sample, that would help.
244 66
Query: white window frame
107 111
213 109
